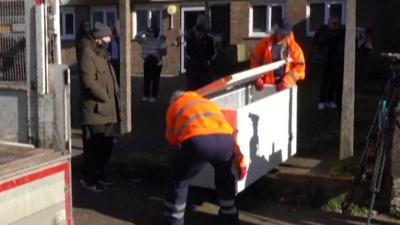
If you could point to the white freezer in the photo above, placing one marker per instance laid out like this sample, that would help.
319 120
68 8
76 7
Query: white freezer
266 122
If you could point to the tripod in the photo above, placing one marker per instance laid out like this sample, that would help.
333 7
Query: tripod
378 139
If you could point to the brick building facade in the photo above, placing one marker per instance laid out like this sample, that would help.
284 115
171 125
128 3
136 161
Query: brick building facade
234 23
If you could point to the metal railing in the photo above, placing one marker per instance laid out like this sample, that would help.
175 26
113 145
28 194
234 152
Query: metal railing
12 43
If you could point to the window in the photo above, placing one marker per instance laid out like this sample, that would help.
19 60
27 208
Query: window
319 12
264 15
146 17
106 15
67 23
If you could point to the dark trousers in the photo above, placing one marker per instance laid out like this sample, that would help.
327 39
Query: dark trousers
97 148
331 84
152 73
188 161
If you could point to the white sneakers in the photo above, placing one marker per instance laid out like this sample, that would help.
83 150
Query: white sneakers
148 99
327 105
321 106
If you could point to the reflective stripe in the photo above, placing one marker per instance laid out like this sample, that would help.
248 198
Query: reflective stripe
226 203
195 117
255 58
177 215
175 207
181 110
229 211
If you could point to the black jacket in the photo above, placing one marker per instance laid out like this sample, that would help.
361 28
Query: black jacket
199 53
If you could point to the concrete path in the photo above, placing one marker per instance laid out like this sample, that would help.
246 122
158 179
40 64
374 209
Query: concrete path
141 203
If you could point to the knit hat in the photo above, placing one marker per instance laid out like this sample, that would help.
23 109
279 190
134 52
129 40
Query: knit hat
202 23
284 27
101 30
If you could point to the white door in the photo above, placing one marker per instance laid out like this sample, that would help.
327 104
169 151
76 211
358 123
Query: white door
188 20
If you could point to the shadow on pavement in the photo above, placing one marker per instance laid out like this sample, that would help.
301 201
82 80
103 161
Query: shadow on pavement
138 203
147 140
132 202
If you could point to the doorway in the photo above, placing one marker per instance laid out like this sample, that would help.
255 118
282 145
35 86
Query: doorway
188 20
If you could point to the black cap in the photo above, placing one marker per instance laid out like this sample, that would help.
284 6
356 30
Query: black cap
284 27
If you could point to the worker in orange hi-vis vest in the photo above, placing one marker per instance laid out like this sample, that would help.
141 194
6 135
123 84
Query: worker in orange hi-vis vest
279 45
201 133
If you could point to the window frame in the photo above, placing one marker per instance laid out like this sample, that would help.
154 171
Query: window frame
327 4
63 12
269 5
104 10
149 9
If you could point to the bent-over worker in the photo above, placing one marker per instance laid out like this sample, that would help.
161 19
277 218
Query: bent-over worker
199 129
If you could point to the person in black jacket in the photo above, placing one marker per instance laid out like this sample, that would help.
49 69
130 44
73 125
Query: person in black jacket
199 55
329 40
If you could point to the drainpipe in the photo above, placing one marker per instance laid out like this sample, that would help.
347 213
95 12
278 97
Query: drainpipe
207 12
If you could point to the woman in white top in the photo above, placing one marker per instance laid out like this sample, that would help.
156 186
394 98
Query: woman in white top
153 48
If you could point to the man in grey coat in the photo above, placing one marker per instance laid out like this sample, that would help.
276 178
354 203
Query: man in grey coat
100 108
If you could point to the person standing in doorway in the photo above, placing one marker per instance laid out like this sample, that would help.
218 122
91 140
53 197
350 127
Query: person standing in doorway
199 55
100 109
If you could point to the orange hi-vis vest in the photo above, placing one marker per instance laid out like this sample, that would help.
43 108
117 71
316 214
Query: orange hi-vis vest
192 115
294 71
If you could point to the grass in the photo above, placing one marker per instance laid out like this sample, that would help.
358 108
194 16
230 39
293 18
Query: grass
335 205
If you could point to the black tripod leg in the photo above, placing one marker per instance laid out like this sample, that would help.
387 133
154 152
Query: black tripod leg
377 180
371 206
357 179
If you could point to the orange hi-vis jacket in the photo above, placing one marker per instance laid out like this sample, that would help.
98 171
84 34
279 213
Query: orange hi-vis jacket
294 71
192 115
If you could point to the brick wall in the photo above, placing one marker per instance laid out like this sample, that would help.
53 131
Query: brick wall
239 30
239 21
385 34
296 12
